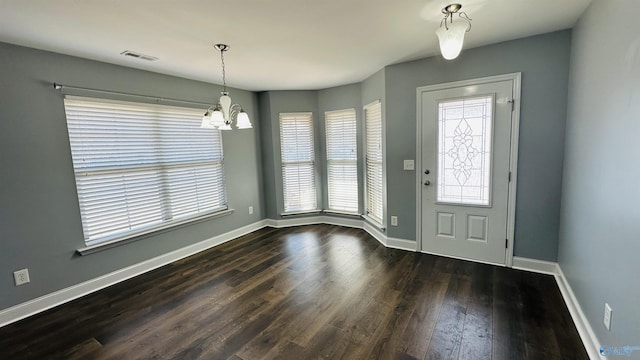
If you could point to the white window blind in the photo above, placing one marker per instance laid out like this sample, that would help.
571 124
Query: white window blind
374 161
342 160
140 166
298 159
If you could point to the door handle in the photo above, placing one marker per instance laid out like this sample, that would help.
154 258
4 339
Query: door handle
427 182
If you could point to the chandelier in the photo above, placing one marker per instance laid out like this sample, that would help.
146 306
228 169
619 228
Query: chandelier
451 34
224 113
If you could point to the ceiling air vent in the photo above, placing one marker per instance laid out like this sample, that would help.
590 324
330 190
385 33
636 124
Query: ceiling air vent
138 55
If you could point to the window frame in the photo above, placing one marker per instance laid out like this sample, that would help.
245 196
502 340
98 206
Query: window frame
343 115
379 221
310 162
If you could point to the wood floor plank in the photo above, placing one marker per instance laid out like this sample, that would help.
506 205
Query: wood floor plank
308 292
477 333
508 336
447 336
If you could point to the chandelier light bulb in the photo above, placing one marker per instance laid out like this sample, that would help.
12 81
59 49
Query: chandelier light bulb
243 121
217 118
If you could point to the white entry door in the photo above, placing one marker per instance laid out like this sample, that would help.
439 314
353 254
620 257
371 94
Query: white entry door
465 163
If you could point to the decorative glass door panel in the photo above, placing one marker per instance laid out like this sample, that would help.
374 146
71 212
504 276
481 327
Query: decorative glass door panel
464 151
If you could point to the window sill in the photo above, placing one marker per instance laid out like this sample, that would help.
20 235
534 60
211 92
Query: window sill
294 213
125 239
373 222
341 213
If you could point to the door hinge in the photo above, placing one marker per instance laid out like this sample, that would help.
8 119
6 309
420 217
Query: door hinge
509 176
513 102
506 243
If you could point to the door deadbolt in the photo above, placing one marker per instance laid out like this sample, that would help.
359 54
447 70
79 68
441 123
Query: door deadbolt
426 172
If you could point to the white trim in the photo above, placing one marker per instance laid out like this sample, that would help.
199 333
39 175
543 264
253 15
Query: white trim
382 224
373 222
588 336
375 232
62 296
513 166
305 212
401 244
534 265
513 157
341 213
342 221
462 258
298 221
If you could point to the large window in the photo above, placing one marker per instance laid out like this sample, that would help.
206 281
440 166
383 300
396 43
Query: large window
141 167
342 160
298 162
374 162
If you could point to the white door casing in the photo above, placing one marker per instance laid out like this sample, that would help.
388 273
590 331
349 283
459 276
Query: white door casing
463 128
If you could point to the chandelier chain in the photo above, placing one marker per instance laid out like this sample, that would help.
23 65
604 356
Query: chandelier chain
224 74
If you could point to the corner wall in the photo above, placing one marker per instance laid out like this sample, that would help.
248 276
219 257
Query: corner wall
599 233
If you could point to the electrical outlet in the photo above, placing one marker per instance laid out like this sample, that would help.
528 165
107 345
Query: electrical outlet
21 277
394 221
250 210
607 316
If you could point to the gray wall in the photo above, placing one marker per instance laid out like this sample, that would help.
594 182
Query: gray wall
40 226
268 153
544 63
339 98
600 219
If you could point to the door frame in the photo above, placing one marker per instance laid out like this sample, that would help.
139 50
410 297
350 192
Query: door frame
513 156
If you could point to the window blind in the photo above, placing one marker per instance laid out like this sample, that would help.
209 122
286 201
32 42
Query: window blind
298 160
342 160
374 161
141 166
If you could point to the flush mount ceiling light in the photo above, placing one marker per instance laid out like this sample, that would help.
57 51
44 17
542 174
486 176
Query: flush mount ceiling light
451 33
224 113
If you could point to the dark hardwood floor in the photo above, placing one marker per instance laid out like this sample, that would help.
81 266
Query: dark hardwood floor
308 292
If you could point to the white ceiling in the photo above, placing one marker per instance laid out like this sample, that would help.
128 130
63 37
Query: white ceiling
275 45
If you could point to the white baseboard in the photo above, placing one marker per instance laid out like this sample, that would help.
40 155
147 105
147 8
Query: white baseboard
375 232
588 336
401 244
56 298
534 265
462 258
336 220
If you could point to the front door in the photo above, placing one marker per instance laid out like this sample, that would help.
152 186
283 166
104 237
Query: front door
465 163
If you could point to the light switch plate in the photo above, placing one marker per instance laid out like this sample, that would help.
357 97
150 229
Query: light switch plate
409 165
